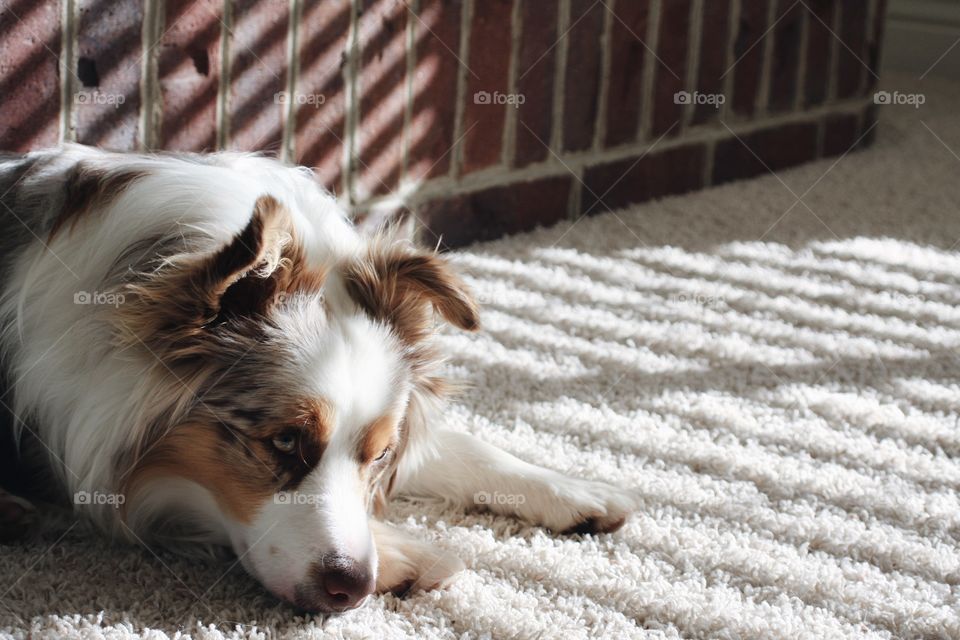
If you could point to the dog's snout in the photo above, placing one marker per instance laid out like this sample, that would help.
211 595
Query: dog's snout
338 583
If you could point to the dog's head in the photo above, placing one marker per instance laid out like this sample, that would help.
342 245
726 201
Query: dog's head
289 395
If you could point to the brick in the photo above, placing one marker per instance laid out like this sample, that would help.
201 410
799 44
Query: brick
841 131
320 113
714 41
489 65
29 77
819 56
583 71
614 185
188 72
786 55
258 72
627 55
853 33
672 70
768 149
382 90
536 63
495 212
437 40
748 51
107 101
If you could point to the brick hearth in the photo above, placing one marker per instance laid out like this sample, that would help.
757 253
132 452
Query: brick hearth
479 117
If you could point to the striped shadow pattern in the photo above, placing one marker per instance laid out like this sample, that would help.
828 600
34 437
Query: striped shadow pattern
780 389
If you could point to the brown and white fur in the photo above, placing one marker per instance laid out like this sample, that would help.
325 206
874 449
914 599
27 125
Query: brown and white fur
209 338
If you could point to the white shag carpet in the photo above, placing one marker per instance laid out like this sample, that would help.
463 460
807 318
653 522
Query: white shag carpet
777 380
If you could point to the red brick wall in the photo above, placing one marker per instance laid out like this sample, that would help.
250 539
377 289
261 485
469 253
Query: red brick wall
479 117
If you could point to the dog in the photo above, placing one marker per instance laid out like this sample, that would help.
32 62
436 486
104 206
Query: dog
201 351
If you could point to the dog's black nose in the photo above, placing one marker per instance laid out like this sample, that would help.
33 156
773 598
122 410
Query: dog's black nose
339 583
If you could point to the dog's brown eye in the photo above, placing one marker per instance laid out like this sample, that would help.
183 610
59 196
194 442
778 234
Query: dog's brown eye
285 442
382 456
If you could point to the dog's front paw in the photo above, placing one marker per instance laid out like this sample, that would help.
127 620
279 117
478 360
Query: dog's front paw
581 506
435 571
407 564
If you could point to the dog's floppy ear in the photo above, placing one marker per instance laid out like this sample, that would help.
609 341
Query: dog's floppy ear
399 286
237 278
173 308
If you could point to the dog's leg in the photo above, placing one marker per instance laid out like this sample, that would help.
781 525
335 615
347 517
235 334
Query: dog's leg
407 564
16 516
471 473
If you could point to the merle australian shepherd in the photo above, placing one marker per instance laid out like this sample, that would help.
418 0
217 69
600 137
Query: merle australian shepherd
202 350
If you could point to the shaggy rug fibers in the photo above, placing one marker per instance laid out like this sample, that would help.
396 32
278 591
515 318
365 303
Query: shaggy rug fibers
777 380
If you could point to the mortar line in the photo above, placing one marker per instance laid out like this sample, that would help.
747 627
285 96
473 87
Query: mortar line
352 105
508 141
223 82
293 72
650 71
762 104
149 32
606 61
68 43
559 76
456 156
733 19
412 8
693 60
